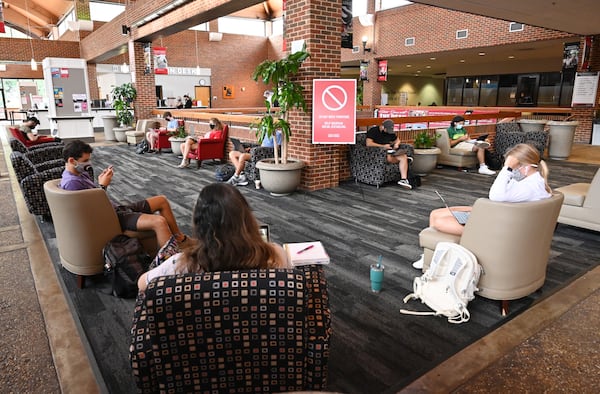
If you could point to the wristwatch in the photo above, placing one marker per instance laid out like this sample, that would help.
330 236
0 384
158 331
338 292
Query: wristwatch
509 169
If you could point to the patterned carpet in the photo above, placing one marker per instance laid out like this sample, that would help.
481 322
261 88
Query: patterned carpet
374 348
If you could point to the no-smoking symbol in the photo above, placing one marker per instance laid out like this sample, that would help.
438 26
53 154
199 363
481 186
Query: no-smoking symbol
334 98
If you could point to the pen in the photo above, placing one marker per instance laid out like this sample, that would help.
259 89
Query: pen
305 249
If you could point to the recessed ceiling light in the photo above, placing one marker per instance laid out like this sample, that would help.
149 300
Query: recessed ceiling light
418 71
432 58
481 53
427 66
409 65
511 57
462 60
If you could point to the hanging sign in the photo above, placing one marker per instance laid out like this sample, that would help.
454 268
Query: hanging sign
382 71
334 111
161 66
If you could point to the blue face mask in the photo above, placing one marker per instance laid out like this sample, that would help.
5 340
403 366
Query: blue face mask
459 126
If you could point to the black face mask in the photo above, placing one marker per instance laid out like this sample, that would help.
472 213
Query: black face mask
212 126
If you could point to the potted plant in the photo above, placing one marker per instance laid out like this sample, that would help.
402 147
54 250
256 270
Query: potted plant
281 174
122 100
178 137
425 152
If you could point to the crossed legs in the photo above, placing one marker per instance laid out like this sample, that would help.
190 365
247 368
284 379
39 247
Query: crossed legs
186 148
239 160
163 224
402 161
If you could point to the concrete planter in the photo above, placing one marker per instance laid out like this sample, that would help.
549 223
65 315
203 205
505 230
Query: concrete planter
280 179
425 160
561 139
109 122
532 124
120 133
176 145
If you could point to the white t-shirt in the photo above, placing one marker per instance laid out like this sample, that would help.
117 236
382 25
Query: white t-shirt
165 269
506 189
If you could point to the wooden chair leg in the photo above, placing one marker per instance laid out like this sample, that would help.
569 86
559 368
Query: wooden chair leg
504 307
80 281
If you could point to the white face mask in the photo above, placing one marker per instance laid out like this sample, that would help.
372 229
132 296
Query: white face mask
459 126
83 166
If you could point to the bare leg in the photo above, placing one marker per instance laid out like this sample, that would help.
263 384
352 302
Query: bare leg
161 205
156 223
442 220
481 155
403 166
239 160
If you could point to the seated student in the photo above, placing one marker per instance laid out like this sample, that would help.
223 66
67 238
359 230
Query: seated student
524 177
172 123
30 136
385 137
191 142
152 137
227 238
239 160
459 139
138 216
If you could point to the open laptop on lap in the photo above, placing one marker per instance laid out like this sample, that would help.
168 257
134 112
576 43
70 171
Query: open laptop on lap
460 216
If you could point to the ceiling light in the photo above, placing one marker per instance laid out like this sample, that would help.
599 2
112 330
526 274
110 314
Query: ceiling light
432 58
462 60
409 65
418 71
427 66
511 57
481 53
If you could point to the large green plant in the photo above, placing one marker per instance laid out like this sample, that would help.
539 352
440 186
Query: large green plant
424 140
287 93
123 97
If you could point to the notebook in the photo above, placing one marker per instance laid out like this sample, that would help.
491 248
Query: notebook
305 253
460 216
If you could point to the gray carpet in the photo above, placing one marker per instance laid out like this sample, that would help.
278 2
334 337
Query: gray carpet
374 348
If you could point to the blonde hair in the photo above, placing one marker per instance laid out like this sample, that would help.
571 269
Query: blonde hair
217 123
527 154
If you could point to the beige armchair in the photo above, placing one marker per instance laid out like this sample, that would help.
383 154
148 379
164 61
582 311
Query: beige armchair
511 242
582 204
84 221
452 156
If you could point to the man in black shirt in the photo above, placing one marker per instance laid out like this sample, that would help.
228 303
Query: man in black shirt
187 101
385 137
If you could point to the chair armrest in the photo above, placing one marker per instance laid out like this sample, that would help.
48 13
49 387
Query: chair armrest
32 187
210 141
319 327
44 154
47 165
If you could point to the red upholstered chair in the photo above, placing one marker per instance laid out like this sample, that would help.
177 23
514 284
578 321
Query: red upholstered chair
210 148
26 141
163 140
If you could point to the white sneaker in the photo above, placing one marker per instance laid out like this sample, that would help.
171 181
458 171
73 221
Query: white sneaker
242 180
184 164
404 183
481 144
233 180
419 263
483 169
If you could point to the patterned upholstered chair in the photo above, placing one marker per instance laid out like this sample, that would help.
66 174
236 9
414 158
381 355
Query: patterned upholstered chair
32 187
235 331
509 134
369 165
33 162
50 150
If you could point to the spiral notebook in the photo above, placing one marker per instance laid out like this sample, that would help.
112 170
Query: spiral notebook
305 253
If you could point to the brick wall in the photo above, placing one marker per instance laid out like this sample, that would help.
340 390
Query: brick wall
19 49
318 23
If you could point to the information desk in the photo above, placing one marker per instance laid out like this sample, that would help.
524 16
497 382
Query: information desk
72 126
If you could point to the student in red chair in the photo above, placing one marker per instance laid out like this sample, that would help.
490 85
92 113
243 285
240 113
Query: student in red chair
29 136
191 142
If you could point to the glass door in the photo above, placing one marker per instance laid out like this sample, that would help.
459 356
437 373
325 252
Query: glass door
527 89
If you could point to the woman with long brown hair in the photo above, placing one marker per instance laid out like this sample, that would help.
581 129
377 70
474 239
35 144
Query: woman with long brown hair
227 238
191 141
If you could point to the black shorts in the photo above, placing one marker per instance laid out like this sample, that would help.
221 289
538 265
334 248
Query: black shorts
129 214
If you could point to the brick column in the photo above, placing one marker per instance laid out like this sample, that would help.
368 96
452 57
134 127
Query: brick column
585 115
144 84
318 23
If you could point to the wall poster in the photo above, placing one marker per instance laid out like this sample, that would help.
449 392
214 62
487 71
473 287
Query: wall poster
161 65
382 71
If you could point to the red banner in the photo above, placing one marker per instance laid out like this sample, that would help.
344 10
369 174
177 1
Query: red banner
382 71
334 111
2 29
161 66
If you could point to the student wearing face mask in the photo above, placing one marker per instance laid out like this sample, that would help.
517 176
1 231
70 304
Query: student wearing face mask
459 139
137 216
191 142
523 178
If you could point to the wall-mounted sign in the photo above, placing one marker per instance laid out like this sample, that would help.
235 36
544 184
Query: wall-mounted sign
161 65
334 111
585 88
382 71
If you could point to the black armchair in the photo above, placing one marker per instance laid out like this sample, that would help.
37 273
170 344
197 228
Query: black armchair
48 150
256 154
265 330
32 162
369 164
509 134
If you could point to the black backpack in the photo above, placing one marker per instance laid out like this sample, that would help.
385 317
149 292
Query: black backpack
224 172
124 262
142 147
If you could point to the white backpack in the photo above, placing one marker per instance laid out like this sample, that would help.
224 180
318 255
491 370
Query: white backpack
448 284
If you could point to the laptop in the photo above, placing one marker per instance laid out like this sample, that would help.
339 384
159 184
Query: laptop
265 233
241 146
460 216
